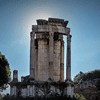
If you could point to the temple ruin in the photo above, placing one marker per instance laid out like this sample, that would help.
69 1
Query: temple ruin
46 61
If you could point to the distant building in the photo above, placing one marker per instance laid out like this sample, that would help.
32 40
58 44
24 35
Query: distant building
46 62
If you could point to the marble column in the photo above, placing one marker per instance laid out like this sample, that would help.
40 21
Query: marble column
32 56
68 66
36 64
33 90
62 62
14 90
51 48
11 90
28 90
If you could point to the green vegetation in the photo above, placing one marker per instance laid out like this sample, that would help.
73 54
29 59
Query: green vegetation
78 77
98 84
92 75
0 97
4 72
79 96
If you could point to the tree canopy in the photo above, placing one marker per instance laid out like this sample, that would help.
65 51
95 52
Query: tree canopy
5 73
92 75
87 76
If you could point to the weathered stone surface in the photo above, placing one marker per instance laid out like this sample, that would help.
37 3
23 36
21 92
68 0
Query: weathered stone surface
24 92
13 91
46 61
43 60
68 60
48 58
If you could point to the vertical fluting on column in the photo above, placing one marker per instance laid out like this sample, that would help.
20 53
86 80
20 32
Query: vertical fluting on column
57 60
62 62
32 56
36 64
68 66
42 59
51 48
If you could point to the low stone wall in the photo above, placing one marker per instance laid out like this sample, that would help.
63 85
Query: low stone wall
39 98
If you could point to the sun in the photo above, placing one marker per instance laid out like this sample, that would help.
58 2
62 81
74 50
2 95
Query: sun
31 18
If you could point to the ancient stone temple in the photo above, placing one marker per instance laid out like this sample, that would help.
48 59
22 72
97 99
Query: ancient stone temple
46 61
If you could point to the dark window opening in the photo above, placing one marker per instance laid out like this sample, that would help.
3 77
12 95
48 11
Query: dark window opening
56 36
36 44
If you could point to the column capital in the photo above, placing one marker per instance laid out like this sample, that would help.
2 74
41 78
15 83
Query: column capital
32 35
69 37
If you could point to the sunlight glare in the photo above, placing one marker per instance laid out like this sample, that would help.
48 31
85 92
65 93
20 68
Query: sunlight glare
31 20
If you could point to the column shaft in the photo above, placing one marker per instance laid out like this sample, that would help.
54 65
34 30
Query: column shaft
32 57
62 62
68 66
51 48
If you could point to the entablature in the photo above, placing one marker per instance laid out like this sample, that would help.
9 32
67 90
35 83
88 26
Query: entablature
50 28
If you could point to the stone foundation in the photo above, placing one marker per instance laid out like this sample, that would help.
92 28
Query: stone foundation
41 88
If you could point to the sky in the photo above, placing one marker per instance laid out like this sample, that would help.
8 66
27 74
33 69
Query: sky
18 16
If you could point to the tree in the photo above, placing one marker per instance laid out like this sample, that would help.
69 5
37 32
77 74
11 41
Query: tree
4 72
87 76
0 97
78 77
98 85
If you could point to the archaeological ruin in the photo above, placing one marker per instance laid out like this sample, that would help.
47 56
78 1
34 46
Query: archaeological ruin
46 76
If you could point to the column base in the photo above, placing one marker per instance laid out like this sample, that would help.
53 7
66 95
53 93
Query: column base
69 90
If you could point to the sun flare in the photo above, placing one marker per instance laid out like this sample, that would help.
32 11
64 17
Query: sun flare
31 20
